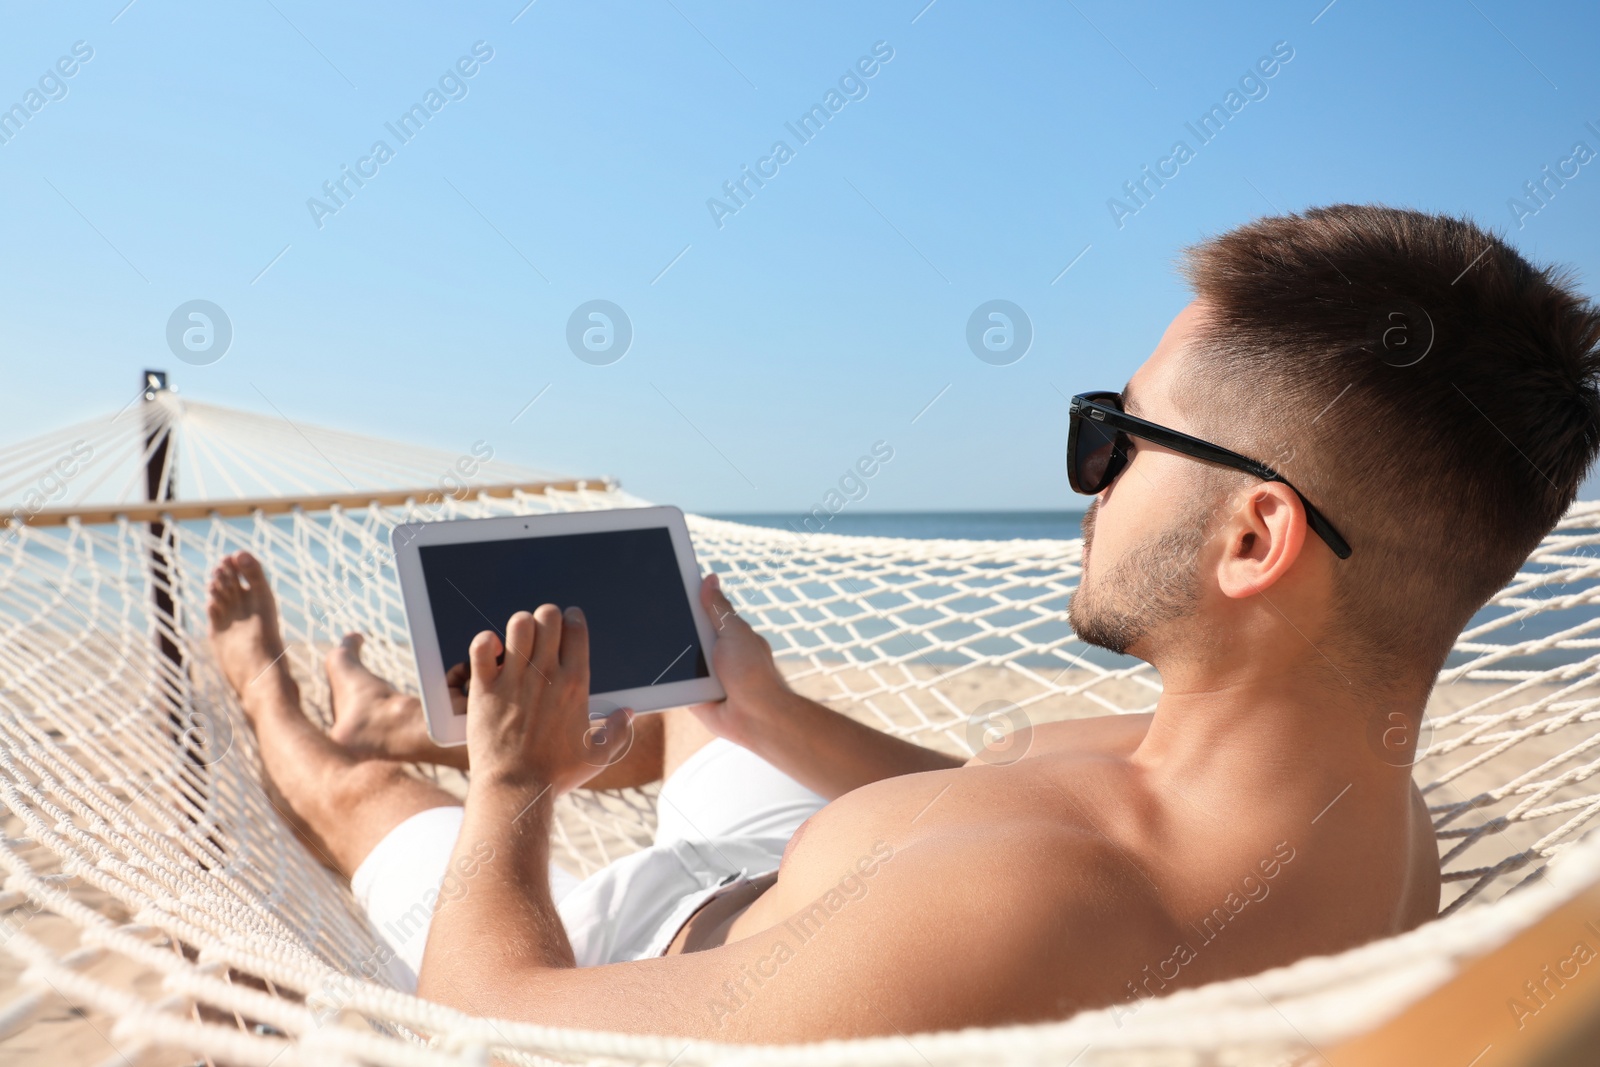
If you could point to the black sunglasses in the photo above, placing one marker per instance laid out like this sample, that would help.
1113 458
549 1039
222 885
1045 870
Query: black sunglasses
1097 451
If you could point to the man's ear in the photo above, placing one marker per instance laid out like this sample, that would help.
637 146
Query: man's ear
1263 538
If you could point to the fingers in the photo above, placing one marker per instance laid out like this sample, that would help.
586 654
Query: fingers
458 680
547 640
485 649
711 596
533 642
520 636
715 602
575 642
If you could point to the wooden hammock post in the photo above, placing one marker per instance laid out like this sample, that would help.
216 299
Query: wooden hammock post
160 482
159 488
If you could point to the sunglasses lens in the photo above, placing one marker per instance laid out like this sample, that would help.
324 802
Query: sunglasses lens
1097 451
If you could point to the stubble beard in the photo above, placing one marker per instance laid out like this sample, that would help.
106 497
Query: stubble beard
1154 583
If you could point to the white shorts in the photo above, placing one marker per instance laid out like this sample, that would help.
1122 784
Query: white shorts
723 818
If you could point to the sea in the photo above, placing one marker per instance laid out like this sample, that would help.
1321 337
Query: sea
1065 525
933 525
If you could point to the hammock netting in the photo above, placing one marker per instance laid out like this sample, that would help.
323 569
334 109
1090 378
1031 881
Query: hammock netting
156 907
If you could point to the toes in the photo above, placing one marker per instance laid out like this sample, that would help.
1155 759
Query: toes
227 576
214 607
222 591
356 689
343 657
249 569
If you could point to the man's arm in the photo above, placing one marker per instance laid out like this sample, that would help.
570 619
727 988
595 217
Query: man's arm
896 945
818 747
892 942
926 930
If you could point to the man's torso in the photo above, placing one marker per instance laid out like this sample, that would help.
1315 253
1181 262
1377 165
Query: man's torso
1135 887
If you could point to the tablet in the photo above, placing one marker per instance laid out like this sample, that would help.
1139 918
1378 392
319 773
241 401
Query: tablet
631 570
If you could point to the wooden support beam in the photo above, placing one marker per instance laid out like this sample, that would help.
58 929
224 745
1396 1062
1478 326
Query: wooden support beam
178 511
1533 1001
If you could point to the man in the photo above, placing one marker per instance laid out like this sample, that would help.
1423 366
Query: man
1347 442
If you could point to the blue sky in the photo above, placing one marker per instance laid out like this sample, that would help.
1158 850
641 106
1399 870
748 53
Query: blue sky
825 315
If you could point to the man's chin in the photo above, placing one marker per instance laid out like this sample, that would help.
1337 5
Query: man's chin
1105 641
1094 628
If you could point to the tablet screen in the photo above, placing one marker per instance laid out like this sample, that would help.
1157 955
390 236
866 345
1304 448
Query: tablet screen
627 582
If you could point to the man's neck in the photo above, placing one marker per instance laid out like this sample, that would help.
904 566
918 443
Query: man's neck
1277 726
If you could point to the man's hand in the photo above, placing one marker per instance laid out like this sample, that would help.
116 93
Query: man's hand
528 705
744 665
818 747
456 681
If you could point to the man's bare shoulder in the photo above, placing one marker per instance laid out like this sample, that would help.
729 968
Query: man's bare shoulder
1055 817
951 916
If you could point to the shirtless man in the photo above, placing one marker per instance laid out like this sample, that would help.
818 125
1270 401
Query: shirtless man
1265 811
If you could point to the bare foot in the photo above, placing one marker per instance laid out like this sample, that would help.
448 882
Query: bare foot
371 719
244 628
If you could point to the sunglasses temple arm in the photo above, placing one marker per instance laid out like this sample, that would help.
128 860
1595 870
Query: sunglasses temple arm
1322 528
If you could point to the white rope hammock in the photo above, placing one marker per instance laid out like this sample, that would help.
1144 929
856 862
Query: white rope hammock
149 882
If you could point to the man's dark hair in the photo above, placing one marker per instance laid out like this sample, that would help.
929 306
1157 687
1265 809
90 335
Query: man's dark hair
1430 390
